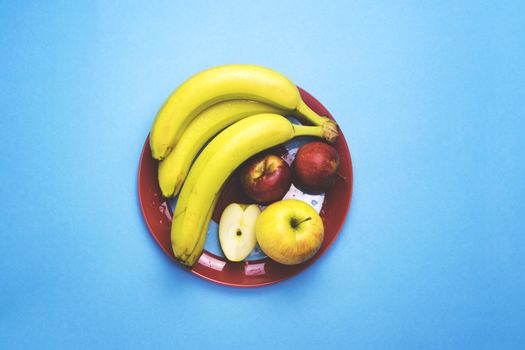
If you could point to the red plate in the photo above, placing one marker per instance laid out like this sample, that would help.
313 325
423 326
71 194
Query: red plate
157 215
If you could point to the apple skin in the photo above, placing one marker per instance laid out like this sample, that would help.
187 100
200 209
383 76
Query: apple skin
237 230
266 179
315 166
289 231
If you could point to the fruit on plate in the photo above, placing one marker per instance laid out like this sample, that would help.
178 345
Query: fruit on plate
228 82
266 179
289 231
214 165
175 167
315 166
237 230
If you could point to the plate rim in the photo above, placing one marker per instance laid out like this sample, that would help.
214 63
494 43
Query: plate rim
281 278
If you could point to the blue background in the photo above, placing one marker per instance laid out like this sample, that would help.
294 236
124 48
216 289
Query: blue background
430 96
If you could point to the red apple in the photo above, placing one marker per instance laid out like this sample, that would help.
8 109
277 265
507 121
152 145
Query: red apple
315 166
266 179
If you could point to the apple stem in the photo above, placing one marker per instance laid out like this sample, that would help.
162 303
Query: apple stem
341 176
295 223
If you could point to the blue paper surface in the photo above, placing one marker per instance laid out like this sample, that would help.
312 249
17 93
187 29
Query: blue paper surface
430 96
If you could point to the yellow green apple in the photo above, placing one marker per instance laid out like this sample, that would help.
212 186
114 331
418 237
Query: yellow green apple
289 231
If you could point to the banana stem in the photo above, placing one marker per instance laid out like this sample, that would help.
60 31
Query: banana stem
307 113
321 131
331 130
304 130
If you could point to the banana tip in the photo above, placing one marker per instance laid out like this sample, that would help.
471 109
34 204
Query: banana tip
159 153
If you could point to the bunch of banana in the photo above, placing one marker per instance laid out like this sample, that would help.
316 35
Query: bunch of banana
223 83
214 165
248 101
174 168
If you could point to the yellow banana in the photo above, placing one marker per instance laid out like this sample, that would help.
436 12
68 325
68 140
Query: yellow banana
229 82
214 165
174 168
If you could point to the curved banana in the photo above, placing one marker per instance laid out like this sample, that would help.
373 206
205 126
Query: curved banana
174 168
229 82
212 168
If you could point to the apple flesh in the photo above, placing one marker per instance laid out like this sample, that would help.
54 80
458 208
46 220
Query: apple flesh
315 166
266 179
289 231
237 230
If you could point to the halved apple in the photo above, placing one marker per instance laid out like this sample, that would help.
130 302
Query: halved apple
237 230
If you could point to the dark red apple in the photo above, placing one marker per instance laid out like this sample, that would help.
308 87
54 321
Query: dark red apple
315 166
266 179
